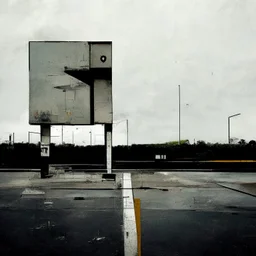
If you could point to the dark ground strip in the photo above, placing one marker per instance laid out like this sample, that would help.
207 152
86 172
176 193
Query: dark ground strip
50 226
193 233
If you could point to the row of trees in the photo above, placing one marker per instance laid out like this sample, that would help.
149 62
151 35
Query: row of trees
28 155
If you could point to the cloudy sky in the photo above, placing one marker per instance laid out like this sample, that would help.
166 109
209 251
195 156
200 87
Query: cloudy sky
208 47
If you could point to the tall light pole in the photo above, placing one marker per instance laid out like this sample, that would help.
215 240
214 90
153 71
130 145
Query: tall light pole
179 114
238 114
95 138
62 134
90 137
29 133
127 130
73 136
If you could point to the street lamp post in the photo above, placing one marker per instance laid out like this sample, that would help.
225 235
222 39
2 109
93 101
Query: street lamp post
62 134
238 114
29 132
179 114
127 130
73 136
29 135
95 138
90 137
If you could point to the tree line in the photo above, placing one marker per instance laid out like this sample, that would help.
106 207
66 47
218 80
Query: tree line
24 155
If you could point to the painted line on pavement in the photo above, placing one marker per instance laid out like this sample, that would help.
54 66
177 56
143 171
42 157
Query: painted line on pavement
138 222
129 220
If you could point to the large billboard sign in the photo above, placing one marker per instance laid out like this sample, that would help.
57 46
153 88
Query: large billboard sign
70 83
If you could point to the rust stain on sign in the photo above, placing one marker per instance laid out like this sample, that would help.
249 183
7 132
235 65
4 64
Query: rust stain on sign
43 116
69 113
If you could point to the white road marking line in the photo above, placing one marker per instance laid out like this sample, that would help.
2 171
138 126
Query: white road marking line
129 221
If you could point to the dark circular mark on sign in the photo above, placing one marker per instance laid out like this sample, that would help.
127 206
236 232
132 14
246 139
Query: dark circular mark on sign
103 58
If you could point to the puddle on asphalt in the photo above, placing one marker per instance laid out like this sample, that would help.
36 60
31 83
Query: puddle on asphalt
79 198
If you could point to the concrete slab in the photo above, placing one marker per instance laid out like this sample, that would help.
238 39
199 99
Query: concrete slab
193 215
248 188
163 180
66 180
42 217
78 213
214 177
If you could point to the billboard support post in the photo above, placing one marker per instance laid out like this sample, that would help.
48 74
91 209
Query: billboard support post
108 143
45 149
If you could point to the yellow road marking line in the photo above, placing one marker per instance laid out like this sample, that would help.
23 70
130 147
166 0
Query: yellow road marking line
138 222
233 161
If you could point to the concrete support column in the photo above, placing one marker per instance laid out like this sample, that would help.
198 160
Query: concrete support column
45 149
108 143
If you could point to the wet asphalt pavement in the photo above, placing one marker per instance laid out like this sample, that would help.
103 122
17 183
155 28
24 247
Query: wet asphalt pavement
61 222
193 215
180 233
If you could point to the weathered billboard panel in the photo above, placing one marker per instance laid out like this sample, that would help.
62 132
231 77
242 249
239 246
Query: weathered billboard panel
61 82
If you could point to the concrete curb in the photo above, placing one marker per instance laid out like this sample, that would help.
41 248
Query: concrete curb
238 188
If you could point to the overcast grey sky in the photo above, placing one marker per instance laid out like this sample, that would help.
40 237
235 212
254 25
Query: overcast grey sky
208 47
